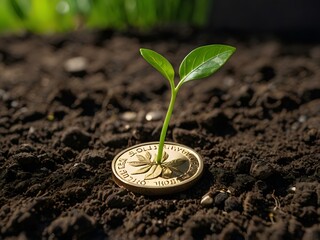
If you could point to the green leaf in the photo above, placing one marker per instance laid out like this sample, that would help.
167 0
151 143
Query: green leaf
159 62
204 61
21 8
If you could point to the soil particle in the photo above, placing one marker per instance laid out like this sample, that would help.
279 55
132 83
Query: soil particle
114 217
120 200
28 115
219 200
27 217
188 138
8 175
218 123
312 233
75 138
231 232
262 171
94 158
243 182
75 224
255 204
232 204
241 97
311 136
88 105
261 186
23 148
27 161
282 230
243 165
64 96
80 170
204 223
116 141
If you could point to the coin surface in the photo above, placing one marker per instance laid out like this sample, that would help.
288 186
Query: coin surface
135 168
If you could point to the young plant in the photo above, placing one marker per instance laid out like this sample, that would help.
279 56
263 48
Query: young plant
199 63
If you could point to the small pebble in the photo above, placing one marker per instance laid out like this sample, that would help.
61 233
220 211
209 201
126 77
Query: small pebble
77 222
114 217
50 117
243 165
262 171
14 104
127 127
292 189
75 138
31 130
260 186
302 118
232 204
206 201
154 116
128 116
93 158
228 81
115 200
310 136
27 161
220 198
295 126
80 170
25 147
76 64
4 95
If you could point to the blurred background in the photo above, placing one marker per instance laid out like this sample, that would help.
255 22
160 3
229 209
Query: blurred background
49 16
294 18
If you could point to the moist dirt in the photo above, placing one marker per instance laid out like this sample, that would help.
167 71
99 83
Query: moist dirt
69 103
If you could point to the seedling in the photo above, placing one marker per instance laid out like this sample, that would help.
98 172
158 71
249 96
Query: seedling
199 63
146 168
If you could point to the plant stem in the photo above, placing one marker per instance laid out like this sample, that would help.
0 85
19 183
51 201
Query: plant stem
166 124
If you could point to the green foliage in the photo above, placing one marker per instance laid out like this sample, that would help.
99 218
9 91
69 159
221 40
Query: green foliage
199 63
8 19
204 61
20 7
45 16
160 63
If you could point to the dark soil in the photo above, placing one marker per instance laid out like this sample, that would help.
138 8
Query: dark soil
63 119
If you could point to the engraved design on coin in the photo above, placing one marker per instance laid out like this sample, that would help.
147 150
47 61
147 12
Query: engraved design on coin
136 169
166 169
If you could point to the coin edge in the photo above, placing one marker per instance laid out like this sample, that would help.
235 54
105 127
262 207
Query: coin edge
151 190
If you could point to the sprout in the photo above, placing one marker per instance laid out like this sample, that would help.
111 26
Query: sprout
199 63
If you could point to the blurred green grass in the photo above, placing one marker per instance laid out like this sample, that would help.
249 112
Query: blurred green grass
49 16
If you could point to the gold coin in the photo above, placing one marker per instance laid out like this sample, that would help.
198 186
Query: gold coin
135 168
